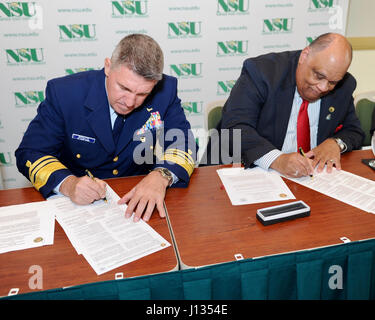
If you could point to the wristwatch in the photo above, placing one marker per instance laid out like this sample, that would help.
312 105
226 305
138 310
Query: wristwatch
165 174
341 145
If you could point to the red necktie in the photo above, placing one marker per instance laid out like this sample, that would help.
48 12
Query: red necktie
303 127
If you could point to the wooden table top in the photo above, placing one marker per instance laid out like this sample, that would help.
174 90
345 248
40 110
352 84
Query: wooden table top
209 230
60 263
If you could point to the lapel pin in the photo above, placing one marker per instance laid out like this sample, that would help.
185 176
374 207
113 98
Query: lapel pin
328 117
331 109
149 109
143 139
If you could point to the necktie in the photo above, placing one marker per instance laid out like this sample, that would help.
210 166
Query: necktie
117 128
303 127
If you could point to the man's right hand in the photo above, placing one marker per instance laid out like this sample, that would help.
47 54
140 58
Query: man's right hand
293 165
83 190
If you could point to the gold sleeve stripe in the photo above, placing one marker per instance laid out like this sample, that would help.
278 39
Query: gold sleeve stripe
181 153
32 166
181 158
178 158
35 172
39 163
189 169
41 170
45 172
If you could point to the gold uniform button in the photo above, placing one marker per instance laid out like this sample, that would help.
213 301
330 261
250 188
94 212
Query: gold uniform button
115 172
78 155
115 159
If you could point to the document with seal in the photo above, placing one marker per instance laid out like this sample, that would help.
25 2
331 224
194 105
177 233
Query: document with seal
246 186
102 234
344 186
26 226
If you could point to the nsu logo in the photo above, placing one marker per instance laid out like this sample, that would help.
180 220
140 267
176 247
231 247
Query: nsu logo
129 8
186 70
9 10
277 25
231 48
232 7
24 56
28 98
184 29
77 32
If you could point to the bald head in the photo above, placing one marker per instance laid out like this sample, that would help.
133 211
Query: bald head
336 44
322 65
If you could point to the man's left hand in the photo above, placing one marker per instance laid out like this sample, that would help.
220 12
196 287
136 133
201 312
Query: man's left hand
327 153
147 194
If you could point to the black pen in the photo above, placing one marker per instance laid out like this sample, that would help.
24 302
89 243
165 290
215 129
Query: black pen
303 155
88 173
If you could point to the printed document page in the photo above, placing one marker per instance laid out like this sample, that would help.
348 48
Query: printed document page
344 186
26 226
103 235
246 186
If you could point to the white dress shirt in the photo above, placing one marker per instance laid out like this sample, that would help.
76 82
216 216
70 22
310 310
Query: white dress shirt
290 141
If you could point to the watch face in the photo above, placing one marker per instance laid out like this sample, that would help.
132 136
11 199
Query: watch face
340 144
166 173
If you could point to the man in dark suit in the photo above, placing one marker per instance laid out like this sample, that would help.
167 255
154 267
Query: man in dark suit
297 99
111 122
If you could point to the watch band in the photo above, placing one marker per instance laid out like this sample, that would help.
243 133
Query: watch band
342 145
165 174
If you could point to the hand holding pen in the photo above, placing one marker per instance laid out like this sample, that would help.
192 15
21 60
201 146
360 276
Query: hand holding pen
303 155
88 173
83 190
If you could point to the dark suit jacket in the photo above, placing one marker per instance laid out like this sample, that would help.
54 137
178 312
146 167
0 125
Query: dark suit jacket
261 100
72 132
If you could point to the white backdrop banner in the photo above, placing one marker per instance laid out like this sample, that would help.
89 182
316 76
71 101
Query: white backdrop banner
204 43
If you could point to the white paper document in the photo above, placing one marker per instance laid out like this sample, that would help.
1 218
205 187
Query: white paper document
246 186
103 235
344 186
26 226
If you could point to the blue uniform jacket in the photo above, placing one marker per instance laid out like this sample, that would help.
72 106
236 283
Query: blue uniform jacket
72 132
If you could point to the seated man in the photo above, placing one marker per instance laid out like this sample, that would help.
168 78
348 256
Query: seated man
296 100
72 131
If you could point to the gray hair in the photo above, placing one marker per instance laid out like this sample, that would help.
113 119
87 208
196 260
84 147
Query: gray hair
141 54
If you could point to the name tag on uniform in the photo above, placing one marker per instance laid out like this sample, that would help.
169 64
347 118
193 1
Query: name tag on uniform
83 138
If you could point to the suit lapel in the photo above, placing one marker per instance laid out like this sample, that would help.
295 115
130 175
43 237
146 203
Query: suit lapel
326 117
98 116
284 102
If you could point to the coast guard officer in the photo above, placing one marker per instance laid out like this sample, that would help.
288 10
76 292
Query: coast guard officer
105 121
